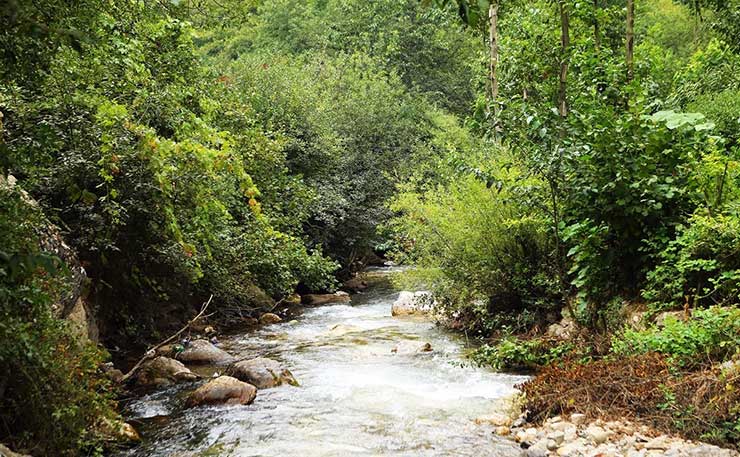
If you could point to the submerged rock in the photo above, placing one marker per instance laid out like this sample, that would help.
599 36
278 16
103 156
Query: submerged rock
497 420
223 390
325 299
164 371
262 373
343 329
204 352
410 303
412 347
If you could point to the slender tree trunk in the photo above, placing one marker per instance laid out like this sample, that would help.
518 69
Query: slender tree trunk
493 39
630 42
565 45
597 31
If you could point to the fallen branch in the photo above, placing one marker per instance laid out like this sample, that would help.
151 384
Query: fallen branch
151 352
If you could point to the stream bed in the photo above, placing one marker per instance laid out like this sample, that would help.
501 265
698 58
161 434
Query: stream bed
356 397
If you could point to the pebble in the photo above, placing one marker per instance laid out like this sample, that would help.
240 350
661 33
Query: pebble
577 418
576 437
503 430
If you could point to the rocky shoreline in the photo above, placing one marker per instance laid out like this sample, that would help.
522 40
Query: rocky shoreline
576 436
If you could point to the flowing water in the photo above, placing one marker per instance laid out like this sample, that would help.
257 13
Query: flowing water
356 398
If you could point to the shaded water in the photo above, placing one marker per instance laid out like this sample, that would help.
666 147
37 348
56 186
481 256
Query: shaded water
356 396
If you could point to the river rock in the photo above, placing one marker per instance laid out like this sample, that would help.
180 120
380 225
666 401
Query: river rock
536 451
494 419
597 434
410 303
163 371
270 318
262 373
325 299
204 352
577 418
117 430
223 390
412 347
503 430
292 300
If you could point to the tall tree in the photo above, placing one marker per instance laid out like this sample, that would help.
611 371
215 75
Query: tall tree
597 31
630 40
564 57
493 62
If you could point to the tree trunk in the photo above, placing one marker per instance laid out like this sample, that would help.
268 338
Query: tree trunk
597 32
493 39
565 44
629 57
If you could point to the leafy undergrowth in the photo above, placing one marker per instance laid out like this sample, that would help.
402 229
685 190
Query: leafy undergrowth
702 404
514 354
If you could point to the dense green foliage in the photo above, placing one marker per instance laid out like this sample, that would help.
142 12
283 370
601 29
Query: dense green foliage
248 149
711 334
51 393
240 149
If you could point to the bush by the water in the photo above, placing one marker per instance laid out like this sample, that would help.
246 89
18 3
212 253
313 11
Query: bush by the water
481 247
53 399
709 336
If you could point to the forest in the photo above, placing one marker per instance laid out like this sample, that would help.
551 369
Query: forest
563 176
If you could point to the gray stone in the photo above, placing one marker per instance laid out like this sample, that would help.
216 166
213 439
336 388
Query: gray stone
223 390
578 418
163 371
536 452
204 352
262 373
412 303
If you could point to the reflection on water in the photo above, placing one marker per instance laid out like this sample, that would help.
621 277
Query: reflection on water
356 396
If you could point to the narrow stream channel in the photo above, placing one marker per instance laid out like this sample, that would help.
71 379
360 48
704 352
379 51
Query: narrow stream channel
356 396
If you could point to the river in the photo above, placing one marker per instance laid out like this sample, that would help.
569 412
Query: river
356 397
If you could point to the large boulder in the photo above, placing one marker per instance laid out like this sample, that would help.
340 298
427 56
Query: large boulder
411 303
325 299
204 352
262 372
163 371
223 390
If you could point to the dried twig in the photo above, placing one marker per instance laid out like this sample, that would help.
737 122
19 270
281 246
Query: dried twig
151 352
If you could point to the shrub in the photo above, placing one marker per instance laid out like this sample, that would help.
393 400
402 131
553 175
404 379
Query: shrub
710 335
488 251
629 197
514 354
52 397
702 265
